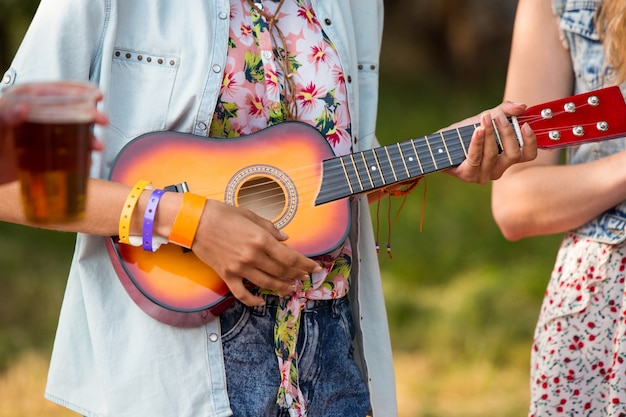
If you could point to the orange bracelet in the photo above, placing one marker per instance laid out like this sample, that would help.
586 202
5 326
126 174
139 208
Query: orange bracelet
187 220
129 207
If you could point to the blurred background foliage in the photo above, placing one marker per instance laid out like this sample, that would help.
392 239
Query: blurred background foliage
462 301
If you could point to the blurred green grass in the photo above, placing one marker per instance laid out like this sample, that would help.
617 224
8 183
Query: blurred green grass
33 270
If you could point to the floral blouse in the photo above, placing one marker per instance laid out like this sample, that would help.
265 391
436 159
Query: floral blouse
252 97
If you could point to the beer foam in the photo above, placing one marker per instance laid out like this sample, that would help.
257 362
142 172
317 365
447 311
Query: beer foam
56 102
84 114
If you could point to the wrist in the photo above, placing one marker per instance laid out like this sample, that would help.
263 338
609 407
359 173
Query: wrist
169 207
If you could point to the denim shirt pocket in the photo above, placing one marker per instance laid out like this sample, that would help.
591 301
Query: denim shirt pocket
141 86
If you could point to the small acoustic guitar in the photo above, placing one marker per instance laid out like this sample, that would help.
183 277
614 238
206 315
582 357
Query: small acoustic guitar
288 174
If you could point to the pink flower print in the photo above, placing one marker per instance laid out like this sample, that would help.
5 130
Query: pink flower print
233 81
307 14
247 34
308 95
271 82
228 81
284 367
338 75
256 102
332 136
256 105
317 55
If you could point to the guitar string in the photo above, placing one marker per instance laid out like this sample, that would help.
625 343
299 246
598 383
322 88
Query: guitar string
304 187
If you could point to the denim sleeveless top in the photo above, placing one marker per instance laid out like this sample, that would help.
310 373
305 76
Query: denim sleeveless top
576 21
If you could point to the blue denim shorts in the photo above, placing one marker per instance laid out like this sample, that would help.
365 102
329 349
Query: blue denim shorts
329 377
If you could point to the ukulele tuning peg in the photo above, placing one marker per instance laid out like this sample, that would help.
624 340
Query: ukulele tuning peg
554 135
578 131
602 126
570 107
593 100
546 113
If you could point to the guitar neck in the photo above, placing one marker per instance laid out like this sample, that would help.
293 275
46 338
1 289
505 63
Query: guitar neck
366 171
592 116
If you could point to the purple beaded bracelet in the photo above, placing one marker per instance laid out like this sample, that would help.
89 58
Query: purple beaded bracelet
148 219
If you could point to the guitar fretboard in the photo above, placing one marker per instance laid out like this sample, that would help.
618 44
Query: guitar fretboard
362 172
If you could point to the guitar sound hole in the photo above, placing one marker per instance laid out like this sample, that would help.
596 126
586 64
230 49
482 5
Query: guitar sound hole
264 196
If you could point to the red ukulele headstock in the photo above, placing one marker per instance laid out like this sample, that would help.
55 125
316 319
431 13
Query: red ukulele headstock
589 117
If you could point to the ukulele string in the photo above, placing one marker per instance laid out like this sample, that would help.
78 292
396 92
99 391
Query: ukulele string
264 192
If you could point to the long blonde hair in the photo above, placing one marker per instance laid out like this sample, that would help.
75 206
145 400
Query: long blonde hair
611 24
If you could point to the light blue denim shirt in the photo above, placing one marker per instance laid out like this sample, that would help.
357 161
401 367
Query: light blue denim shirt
109 357
576 21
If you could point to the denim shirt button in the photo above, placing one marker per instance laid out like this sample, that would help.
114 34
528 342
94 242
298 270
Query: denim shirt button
217 68
223 15
202 126
7 79
213 337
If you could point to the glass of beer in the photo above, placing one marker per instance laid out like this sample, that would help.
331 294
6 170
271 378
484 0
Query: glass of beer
53 148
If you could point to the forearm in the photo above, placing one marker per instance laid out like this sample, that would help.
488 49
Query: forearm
105 200
546 199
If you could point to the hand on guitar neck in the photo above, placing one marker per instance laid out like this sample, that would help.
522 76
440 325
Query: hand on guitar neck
485 161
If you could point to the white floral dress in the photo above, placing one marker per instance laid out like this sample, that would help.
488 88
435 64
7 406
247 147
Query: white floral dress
579 349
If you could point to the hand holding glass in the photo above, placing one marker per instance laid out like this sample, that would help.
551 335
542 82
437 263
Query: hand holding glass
53 148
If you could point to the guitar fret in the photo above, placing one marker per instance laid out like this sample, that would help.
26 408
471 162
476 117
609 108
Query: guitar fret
410 162
397 160
432 156
458 132
417 156
498 138
375 171
361 171
406 168
443 139
438 151
347 175
368 170
336 180
455 148
426 156
384 163
393 171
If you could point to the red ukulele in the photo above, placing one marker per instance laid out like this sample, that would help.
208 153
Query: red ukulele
288 174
